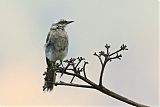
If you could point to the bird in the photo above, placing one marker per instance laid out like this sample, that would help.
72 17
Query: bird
56 48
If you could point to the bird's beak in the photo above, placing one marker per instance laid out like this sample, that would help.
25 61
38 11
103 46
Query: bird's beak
68 22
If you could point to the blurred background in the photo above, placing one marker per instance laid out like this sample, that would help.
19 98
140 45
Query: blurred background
24 25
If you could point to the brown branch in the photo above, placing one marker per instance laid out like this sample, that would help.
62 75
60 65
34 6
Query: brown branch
80 59
84 70
119 97
108 57
99 57
116 57
73 85
107 48
72 79
123 47
101 89
72 69
102 72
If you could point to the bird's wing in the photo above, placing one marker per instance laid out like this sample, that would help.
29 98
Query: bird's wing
59 43
66 43
47 39
48 43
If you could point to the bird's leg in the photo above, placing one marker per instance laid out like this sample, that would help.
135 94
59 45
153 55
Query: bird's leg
61 63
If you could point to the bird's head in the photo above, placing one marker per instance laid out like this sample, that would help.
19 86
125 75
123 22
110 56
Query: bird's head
61 24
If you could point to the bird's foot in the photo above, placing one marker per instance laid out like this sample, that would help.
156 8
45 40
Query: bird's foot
62 72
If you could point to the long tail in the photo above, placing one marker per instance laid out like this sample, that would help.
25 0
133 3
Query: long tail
50 76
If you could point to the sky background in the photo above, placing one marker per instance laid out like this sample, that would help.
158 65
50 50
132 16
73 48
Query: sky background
24 25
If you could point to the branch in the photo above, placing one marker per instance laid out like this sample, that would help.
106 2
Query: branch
73 69
102 72
101 89
84 70
108 57
123 47
99 57
73 85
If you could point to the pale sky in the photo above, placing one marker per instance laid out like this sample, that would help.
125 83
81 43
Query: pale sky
24 25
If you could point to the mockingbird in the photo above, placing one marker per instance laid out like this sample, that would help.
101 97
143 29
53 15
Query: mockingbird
56 48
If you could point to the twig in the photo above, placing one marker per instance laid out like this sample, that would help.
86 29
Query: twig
84 70
74 85
102 72
98 58
107 48
123 47
72 79
79 61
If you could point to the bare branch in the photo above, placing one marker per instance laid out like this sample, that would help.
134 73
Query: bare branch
84 70
107 47
116 57
80 59
72 79
102 72
73 69
123 47
108 57
74 85
99 57
106 91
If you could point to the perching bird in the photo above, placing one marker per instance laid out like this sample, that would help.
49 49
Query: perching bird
56 48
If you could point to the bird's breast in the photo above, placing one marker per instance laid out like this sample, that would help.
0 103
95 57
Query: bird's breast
57 47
